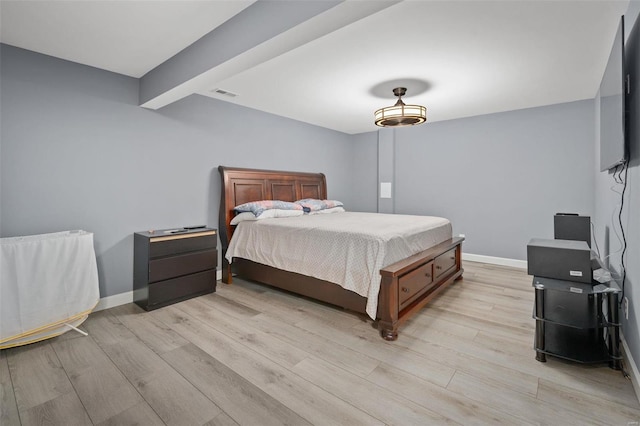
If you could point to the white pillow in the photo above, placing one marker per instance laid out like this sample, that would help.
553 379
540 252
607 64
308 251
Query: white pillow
280 213
331 210
241 217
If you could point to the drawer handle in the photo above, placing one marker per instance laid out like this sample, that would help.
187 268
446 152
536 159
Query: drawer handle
452 258
405 289
438 267
428 275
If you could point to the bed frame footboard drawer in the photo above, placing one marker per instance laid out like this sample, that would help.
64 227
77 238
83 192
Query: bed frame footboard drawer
445 262
415 283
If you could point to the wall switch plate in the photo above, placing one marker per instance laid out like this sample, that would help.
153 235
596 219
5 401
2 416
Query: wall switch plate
385 189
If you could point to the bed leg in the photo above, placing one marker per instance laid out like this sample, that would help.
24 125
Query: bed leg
388 332
226 271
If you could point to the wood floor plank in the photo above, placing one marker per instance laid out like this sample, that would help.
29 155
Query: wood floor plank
606 412
598 380
9 415
284 353
492 316
493 298
480 324
368 341
242 291
230 307
272 324
65 410
610 386
504 343
470 347
525 408
351 360
102 388
222 419
288 308
140 414
153 333
495 372
171 396
37 375
307 399
388 407
243 401
438 399
423 323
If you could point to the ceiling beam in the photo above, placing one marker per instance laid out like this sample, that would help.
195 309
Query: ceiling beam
262 31
259 22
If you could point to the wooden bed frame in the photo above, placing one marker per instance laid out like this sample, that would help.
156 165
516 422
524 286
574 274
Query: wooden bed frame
406 285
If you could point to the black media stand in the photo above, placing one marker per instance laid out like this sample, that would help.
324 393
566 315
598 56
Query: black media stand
577 321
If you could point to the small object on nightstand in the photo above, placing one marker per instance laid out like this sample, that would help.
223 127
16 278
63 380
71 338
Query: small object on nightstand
173 265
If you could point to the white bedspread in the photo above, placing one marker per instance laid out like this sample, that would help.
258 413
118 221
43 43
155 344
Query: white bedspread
348 249
46 281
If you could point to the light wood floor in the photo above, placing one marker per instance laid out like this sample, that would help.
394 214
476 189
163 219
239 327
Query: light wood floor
251 355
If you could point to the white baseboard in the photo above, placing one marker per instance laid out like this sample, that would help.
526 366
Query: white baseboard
127 297
502 261
113 301
632 368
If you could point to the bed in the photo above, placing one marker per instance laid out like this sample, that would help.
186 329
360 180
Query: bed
405 285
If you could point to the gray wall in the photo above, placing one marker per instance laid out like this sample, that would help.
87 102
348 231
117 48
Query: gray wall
364 173
500 177
78 153
607 202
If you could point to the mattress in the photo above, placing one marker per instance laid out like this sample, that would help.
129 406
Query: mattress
347 249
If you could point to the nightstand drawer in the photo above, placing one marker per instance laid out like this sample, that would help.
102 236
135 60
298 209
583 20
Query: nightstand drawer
182 243
415 283
175 266
171 291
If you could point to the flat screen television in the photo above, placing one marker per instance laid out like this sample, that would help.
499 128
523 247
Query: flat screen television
613 147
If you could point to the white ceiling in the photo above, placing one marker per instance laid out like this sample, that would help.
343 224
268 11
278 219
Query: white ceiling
458 58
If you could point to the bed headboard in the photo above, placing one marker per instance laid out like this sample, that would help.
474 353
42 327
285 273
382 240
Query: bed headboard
244 185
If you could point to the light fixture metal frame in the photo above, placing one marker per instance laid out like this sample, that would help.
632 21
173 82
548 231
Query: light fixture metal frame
400 114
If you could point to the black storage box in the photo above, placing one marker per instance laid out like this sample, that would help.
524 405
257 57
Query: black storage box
568 226
560 259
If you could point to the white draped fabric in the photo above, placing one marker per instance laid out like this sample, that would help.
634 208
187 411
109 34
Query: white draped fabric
46 282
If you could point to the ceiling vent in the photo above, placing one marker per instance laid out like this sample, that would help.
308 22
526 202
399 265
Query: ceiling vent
225 93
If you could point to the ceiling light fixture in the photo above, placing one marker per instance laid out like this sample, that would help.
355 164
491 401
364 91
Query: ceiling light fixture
400 114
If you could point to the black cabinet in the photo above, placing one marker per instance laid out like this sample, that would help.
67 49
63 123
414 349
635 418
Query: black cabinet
173 265
577 321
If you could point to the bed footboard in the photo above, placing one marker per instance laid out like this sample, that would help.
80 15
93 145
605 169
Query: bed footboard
411 283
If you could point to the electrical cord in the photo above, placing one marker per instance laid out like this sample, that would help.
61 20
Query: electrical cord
624 239
595 240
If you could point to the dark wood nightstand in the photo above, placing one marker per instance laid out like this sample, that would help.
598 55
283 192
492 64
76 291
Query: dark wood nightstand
173 265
